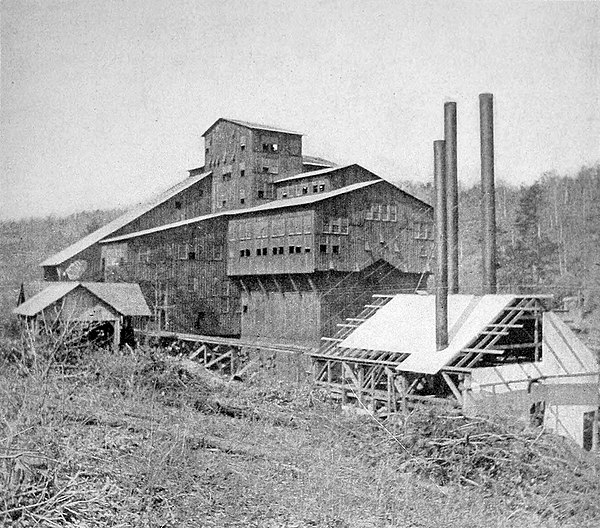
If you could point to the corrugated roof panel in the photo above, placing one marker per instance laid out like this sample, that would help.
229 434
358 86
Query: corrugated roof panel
316 160
45 298
120 222
125 298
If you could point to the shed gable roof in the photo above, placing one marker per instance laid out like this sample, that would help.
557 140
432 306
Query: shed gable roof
125 298
126 218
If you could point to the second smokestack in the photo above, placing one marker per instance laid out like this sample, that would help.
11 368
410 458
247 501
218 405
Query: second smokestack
488 193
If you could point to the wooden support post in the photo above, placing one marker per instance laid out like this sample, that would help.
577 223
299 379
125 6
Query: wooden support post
453 387
361 382
343 386
116 334
373 386
329 374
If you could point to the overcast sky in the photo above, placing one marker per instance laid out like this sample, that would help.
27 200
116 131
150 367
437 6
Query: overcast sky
103 103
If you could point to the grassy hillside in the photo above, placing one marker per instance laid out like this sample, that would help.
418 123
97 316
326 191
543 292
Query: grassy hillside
139 440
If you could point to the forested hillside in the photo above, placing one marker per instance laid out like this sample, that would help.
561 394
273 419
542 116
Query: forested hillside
548 239
26 243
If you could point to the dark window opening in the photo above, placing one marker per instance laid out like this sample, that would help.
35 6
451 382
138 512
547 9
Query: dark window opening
242 173
201 192
265 169
264 251
247 252
258 252
226 176
242 147
274 251
224 202
280 252
291 249
321 187
284 195
206 152
177 205
298 249
306 250
261 194
335 250
242 252
201 316
588 430
245 308
323 248
304 190
315 188
192 255
242 200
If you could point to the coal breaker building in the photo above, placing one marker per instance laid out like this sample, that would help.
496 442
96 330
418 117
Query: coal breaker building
261 243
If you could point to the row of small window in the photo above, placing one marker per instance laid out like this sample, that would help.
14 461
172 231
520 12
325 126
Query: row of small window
301 189
278 227
423 230
335 225
195 251
277 250
385 213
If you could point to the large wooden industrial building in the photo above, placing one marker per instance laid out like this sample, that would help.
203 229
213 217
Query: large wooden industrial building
261 242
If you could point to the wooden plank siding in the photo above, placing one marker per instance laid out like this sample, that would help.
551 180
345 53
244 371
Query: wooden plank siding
182 273
243 172
344 233
307 183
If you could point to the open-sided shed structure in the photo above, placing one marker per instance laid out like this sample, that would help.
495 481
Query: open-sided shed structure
83 303
505 353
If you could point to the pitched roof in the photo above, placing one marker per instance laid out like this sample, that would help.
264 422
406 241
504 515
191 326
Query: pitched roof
311 174
315 160
121 221
276 204
392 328
125 298
162 228
45 298
253 126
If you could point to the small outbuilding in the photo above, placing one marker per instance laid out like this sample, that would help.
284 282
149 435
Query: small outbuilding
95 306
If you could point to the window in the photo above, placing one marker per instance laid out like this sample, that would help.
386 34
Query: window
385 213
315 188
242 253
344 226
264 251
247 252
242 173
280 252
305 190
335 226
258 252
265 169
335 250
376 211
242 147
321 186
307 249
274 251
270 147
367 246
298 249
177 205
242 200
226 176
291 250
191 255
245 308
223 203
206 152
323 248
284 193
196 283
261 194
369 214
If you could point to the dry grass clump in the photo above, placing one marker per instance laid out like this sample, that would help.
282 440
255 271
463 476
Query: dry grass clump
142 439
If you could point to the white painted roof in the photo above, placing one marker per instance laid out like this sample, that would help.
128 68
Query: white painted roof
406 325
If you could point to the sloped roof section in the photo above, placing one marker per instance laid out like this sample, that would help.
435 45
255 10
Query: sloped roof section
270 206
125 298
121 221
311 174
316 160
45 298
406 325
253 126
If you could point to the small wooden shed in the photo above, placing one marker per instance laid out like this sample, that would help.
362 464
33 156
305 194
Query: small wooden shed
85 303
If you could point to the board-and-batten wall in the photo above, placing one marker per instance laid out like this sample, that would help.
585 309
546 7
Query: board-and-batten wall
182 273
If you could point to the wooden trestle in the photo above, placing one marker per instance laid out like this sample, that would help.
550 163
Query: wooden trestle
372 379
226 355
